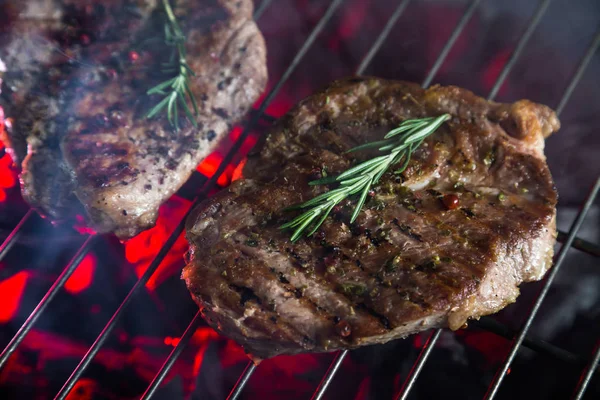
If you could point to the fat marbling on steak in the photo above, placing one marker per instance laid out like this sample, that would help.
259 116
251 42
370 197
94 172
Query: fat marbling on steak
79 129
412 260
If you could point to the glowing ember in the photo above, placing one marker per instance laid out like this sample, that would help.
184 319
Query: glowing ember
352 20
249 142
492 346
84 389
494 68
169 341
210 165
8 177
284 102
142 249
83 275
202 339
80 226
237 172
11 291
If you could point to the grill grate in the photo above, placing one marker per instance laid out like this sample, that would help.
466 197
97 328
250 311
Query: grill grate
520 338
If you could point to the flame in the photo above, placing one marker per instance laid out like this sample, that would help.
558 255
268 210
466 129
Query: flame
1 119
11 291
283 372
493 69
8 177
232 354
351 22
493 347
249 142
142 249
284 102
237 172
209 166
50 347
83 275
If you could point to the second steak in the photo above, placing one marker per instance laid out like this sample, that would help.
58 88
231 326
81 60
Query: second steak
80 131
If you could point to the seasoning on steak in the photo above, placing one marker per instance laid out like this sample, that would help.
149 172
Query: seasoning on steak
471 218
80 132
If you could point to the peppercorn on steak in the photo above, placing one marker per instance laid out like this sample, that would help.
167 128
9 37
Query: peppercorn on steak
75 81
450 238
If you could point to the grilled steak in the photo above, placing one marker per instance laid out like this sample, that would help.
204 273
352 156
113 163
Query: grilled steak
81 132
471 218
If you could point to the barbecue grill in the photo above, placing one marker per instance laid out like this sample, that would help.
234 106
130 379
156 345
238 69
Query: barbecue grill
516 337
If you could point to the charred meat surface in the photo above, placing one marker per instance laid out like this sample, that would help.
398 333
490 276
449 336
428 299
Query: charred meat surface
471 218
75 88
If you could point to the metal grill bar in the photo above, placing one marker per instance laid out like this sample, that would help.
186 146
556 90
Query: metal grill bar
580 244
578 75
419 364
541 346
382 37
339 357
493 389
14 235
520 46
331 371
68 386
168 364
108 328
450 43
432 73
242 381
261 8
587 374
43 304
433 338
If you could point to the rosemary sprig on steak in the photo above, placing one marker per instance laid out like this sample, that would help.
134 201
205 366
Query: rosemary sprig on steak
177 88
399 144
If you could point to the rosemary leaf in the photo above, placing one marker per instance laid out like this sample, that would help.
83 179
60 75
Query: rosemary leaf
158 108
323 181
159 88
321 220
370 145
399 145
402 129
361 201
180 92
362 167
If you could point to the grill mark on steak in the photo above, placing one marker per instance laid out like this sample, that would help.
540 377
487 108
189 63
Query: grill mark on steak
408 263
382 319
324 311
407 230
303 303
246 294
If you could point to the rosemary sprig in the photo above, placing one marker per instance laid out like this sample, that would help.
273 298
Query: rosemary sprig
398 144
177 89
